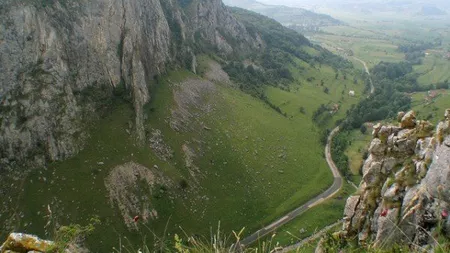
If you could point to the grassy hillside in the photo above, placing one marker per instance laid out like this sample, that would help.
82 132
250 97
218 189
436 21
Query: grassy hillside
431 108
434 69
313 220
255 164
241 153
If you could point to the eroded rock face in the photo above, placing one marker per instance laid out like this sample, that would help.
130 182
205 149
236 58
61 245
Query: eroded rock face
129 187
58 62
406 185
437 180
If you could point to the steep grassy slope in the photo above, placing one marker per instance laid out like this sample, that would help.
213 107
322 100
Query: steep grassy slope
254 163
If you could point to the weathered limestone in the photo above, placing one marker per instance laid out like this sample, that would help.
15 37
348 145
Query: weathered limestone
406 184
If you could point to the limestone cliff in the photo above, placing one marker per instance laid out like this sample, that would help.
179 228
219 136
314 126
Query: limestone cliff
404 197
62 62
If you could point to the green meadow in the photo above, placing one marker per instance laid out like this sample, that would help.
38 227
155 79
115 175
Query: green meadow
355 152
434 69
431 109
370 50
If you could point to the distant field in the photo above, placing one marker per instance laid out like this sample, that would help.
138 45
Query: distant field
434 69
375 39
370 50
433 109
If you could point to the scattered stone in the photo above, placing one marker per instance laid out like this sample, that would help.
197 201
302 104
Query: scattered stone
192 99
125 187
159 147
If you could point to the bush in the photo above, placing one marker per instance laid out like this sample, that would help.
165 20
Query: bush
183 184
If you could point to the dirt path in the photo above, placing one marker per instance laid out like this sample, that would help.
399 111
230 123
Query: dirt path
372 88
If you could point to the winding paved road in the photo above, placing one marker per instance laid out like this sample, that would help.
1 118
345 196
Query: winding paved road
334 188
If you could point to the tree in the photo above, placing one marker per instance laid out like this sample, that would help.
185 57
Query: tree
326 90
302 110
363 129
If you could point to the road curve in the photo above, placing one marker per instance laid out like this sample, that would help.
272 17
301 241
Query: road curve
372 88
330 192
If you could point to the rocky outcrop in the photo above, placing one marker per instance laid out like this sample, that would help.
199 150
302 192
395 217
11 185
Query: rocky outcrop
62 62
25 243
18 243
404 195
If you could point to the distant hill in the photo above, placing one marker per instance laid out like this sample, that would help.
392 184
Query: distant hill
410 7
296 18
431 11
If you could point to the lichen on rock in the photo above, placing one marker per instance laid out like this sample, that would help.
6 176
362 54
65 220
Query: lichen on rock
405 185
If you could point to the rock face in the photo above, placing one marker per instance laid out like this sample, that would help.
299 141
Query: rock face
404 196
61 62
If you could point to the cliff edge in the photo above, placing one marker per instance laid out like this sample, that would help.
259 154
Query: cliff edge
404 197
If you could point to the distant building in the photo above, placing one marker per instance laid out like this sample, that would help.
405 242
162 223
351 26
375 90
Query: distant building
352 93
